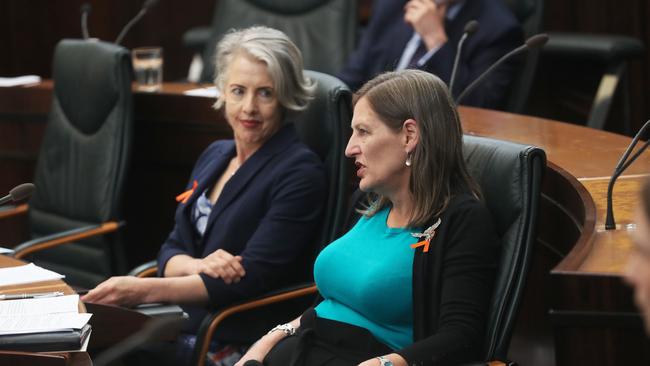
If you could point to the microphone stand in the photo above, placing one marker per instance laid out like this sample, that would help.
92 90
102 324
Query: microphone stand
470 28
623 164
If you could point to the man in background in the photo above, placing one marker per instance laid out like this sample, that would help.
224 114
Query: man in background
424 34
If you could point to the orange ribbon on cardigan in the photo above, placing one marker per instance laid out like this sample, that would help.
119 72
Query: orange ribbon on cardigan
428 234
183 197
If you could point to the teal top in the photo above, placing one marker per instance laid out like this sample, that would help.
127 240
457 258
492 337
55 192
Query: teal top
366 279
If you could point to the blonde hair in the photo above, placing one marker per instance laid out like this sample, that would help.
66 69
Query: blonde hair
282 58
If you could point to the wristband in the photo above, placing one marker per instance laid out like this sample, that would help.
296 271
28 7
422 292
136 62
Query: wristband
287 328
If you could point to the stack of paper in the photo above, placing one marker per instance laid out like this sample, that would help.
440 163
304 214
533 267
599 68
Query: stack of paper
43 324
20 80
29 273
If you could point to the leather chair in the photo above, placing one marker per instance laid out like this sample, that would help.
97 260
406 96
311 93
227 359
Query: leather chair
510 177
324 30
530 14
324 127
81 168
612 52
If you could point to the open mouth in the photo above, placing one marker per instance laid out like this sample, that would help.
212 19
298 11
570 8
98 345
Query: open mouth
361 169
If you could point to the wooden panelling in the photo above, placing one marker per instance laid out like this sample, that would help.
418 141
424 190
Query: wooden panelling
30 29
564 90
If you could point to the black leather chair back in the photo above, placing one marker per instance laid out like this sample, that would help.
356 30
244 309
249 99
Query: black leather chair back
530 14
325 126
324 30
81 168
510 177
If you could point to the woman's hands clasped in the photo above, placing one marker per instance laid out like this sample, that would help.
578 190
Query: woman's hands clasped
221 264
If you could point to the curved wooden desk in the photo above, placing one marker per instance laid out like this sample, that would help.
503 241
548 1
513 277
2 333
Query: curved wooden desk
576 276
577 268
46 358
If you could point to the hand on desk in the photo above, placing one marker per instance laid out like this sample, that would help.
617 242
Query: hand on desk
123 291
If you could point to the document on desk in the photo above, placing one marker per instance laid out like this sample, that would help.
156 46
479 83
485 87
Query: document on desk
50 314
42 306
28 273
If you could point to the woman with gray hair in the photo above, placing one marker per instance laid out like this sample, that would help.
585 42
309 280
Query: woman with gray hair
246 221
411 282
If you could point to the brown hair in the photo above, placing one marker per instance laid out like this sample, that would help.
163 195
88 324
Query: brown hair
438 170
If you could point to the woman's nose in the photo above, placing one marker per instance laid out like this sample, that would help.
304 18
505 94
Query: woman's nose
250 104
352 148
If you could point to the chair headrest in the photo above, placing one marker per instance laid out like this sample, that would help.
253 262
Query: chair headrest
288 7
316 124
85 82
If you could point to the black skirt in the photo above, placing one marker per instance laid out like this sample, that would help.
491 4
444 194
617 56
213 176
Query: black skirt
324 342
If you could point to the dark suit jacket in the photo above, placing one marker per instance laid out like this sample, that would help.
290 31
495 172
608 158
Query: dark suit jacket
383 43
268 212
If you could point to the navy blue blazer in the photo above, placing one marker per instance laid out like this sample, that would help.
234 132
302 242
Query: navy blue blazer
268 212
383 43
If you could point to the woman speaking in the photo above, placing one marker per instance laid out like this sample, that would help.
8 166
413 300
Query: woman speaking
411 282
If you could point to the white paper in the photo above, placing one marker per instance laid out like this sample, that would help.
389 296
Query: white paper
42 323
210 92
28 273
20 80
40 306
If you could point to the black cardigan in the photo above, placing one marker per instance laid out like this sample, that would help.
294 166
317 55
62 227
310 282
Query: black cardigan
452 286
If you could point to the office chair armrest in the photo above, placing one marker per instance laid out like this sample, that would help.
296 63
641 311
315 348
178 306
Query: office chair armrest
147 269
212 321
11 211
65 237
196 38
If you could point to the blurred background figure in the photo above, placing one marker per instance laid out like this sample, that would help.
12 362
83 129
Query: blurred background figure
423 34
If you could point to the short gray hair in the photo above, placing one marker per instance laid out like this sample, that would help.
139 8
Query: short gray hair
281 56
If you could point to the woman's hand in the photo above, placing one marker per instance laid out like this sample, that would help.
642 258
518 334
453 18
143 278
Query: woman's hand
221 264
261 348
123 291
396 359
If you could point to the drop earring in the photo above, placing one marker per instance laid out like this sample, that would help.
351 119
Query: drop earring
408 161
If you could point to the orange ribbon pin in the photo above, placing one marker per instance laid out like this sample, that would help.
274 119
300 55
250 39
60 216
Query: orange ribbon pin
183 197
428 234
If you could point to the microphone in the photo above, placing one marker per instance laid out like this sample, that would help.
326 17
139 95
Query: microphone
18 193
85 10
145 7
470 28
533 42
623 163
